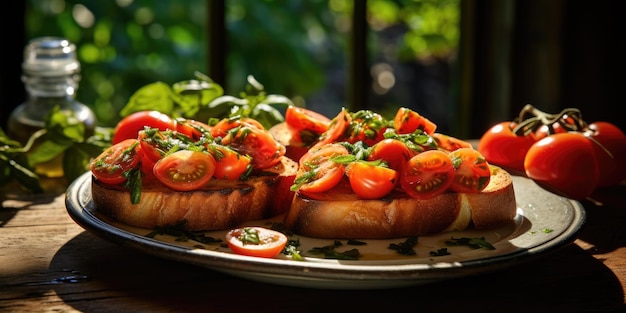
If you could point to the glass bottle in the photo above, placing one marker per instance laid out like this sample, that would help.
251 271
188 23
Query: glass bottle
50 73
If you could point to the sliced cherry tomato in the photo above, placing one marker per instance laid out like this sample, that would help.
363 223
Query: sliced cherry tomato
258 143
500 146
450 143
193 129
256 241
317 172
472 173
565 163
110 166
224 125
231 165
337 129
427 174
129 126
185 170
609 144
366 126
392 151
407 121
370 181
306 120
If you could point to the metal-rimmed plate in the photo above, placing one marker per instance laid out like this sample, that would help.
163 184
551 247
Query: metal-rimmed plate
544 223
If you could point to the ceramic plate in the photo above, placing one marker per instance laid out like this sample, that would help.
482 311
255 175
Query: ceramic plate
544 223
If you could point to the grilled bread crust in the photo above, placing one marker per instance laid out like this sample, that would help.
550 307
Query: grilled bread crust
221 204
341 214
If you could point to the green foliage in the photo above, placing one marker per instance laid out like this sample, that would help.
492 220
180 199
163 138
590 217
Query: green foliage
290 45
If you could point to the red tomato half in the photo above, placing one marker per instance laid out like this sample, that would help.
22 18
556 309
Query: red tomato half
565 163
306 120
256 241
185 170
369 181
407 121
500 146
129 126
230 164
472 173
427 174
450 143
113 162
337 129
317 173
258 143
392 151
609 144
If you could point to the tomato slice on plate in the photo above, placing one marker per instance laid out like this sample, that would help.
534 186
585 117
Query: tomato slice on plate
427 174
110 166
256 241
407 121
129 126
472 172
369 181
185 170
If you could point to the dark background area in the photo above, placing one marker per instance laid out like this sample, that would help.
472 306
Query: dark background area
552 54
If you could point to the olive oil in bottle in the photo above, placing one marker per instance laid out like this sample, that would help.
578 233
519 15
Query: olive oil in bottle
50 72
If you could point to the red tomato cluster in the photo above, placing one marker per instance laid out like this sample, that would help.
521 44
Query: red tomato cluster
375 156
560 152
186 154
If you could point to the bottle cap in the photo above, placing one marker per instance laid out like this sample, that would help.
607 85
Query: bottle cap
50 56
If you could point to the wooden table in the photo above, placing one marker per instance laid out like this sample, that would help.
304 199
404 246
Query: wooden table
49 263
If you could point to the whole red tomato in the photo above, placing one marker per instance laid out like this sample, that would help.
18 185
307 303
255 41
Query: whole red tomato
565 163
129 126
609 143
501 146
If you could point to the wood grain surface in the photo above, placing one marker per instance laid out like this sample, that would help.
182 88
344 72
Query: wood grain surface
50 264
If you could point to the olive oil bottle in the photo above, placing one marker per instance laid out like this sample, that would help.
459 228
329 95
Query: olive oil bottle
50 73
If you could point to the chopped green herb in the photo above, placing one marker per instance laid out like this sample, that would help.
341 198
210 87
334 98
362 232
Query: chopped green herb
474 243
406 247
183 235
440 252
329 252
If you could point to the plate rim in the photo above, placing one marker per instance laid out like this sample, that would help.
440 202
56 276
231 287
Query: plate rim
297 273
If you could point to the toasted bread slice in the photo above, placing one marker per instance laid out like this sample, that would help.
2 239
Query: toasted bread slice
339 213
221 204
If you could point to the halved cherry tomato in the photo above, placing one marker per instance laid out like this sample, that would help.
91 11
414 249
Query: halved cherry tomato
129 126
472 173
193 129
427 174
224 125
609 143
231 165
500 146
306 120
256 241
366 126
337 129
113 162
392 151
370 181
317 172
450 143
407 121
565 163
185 170
258 143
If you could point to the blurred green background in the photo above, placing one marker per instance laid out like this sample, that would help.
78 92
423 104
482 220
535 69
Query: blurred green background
296 48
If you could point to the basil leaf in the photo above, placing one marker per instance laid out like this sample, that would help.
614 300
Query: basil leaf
156 96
